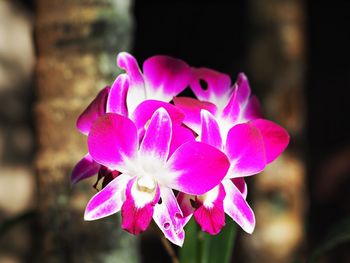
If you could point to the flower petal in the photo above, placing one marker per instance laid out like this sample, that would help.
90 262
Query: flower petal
210 214
181 134
95 109
168 215
210 133
165 77
137 209
253 109
275 138
192 109
184 201
111 140
196 168
237 208
145 110
85 168
210 85
239 100
136 92
241 186
156 142
108 201
245 149
116 102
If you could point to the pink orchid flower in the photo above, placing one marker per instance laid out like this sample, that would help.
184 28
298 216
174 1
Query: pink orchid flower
137 96
149 174
233 127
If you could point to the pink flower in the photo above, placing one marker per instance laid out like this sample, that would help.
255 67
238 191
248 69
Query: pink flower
149 173
248 142
137 96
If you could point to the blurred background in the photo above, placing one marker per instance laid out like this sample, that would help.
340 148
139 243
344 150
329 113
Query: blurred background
56 55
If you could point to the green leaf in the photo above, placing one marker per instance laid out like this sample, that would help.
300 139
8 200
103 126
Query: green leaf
189 253
338 234
200 247
219 248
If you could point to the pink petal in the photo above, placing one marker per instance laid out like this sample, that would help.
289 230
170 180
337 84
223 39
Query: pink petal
192 109
136 92
275 138
108 201
212 218
165 77
111 140
196 168
184 201
181 134
237 208
136 219
158 136
167 216
116 102
210 133
253 109
217 86
239 100
245 149
145 110
85 168
241 185
95 109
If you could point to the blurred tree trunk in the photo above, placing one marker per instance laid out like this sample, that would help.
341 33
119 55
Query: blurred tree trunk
277 63
77 43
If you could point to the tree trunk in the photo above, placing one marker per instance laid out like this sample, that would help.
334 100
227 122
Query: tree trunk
77 42
277 63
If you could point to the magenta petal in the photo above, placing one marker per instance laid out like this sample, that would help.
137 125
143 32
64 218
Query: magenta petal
145 110
211 85
241 185
236 108
196 168
245 149
184 201
212 218
192 109
85 168
116 102
275 138
253 109
181 134
108 201
136 219
168 215
136 92
165 77
210 133
95 109
156 142
111 140
237 207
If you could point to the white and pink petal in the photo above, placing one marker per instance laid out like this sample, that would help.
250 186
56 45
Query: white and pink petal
237 207
165 77
108 201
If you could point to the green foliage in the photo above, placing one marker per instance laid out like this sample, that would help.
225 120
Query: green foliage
201 247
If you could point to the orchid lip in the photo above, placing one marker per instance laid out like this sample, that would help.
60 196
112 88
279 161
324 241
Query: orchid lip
146 184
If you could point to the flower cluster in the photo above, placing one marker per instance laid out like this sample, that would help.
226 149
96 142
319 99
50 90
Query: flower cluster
170 158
